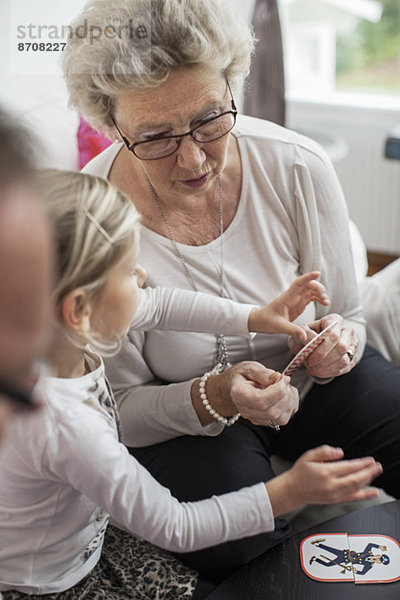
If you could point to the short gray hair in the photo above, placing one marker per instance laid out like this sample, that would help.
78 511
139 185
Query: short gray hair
116 47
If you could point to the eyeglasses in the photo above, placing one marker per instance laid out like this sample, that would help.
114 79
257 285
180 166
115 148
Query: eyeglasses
209 131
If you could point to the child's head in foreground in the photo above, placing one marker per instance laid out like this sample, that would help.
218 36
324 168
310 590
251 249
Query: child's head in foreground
96 230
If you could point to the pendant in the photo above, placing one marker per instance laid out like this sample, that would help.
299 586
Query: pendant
221 355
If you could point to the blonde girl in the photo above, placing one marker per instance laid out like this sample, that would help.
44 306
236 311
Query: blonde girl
64 469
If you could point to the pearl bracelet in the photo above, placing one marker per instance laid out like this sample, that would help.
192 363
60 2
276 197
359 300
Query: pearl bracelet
207 405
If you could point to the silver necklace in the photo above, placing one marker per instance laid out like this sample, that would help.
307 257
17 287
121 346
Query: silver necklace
221 355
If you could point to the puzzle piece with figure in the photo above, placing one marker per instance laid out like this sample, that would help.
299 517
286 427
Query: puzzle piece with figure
361 558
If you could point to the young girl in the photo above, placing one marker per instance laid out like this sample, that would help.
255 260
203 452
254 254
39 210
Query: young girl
64 470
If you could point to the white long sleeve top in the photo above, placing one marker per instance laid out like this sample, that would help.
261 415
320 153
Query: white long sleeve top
291 219
63 471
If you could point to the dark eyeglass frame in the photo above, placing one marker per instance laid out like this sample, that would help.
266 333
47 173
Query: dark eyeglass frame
18 396
178 138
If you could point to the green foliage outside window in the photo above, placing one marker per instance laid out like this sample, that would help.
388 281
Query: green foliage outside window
369 58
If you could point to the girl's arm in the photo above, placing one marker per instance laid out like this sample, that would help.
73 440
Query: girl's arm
184 310
115 481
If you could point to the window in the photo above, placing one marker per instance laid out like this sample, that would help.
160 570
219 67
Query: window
341 46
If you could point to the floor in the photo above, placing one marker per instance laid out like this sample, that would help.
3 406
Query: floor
376 261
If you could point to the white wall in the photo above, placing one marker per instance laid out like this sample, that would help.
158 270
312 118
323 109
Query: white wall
31 82
244 8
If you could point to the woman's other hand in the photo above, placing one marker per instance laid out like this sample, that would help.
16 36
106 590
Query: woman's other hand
336 355
321 476
276 317
261 395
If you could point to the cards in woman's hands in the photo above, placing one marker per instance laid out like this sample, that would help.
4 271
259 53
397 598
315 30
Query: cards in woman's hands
305 352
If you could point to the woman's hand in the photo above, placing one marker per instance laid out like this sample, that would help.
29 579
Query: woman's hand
261 395
320 476
336 355
276 317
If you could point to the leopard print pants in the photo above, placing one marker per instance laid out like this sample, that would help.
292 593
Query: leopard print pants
129 569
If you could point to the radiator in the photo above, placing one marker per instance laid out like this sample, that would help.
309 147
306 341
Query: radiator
370 181
371 184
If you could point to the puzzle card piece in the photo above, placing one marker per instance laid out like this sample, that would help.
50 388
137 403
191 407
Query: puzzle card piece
361 558
324 557
376 558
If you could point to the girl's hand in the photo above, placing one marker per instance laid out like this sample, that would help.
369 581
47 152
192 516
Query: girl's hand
261 395
336 355
276 317
320 476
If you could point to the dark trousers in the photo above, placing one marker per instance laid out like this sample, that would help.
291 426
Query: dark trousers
360 412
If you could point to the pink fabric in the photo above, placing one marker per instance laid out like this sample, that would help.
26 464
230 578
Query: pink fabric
90 143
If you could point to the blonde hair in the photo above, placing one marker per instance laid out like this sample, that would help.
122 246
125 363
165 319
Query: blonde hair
94 228
119 46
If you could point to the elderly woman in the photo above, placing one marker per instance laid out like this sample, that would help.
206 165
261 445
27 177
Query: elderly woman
237 207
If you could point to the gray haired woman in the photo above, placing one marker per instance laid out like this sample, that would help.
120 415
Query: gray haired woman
237 207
